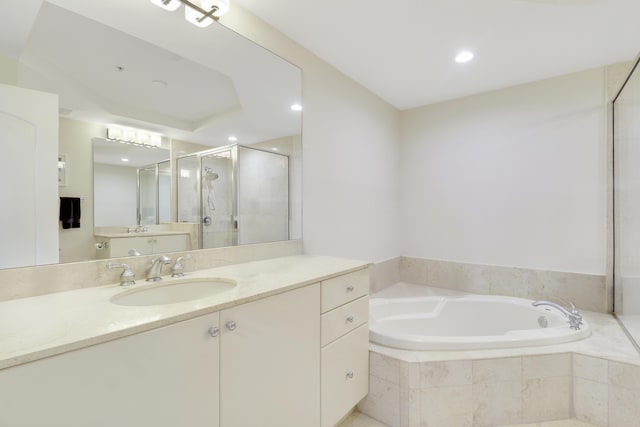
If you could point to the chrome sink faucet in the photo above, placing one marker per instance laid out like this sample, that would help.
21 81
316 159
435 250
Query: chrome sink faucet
178 267
574 316
128 277
154 271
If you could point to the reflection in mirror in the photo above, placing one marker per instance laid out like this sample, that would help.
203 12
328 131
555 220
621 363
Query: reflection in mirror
126 183
107 69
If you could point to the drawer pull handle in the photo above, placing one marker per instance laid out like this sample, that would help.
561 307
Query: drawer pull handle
350 375
350 288
214 331
350 319
231 325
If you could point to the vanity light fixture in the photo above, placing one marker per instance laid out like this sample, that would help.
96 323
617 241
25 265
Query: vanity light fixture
464 56
134 136
201 13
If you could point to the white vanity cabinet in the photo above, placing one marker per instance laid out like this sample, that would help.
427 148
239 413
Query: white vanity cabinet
295 358
166 377
345 344
147 244
270 364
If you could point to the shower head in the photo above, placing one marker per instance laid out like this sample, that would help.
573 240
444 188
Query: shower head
209 174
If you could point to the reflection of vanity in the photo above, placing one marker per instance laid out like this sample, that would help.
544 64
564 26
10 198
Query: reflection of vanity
115 245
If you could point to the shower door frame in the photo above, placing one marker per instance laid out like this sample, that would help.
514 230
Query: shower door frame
615 224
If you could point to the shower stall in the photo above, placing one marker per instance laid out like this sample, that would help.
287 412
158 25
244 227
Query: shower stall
626 158
237 195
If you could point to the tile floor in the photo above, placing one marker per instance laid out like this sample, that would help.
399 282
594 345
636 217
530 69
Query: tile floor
357 419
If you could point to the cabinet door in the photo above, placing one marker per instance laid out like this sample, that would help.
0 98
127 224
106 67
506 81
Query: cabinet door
178 242
120 247
167 377
270 361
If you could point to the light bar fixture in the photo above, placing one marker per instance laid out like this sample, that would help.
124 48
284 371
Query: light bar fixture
199 12
133 136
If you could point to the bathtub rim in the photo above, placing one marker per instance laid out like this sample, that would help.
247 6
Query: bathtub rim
526 338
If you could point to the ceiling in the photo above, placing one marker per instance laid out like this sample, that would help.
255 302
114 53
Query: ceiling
404 50
201 85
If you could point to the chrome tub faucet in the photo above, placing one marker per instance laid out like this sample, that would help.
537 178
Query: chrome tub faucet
572 313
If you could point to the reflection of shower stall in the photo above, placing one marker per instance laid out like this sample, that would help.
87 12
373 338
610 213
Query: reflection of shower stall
238 195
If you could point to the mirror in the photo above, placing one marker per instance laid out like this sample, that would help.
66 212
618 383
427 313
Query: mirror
196 87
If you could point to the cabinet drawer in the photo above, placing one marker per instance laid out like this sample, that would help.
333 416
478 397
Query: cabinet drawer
343 319
345 374
342 289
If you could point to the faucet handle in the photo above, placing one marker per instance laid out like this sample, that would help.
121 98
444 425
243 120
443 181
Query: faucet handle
178 267
128 277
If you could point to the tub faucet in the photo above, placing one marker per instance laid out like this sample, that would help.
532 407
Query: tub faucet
153 273
574 316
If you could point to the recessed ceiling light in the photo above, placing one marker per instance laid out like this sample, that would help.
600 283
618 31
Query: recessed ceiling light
124 159
296 107
464 56
233 138
274 148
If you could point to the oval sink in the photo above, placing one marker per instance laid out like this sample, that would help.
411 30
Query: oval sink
170 293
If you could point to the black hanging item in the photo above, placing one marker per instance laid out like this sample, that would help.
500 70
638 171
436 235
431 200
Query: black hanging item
70 212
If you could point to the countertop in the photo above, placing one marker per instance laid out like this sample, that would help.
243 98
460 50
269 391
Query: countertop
42 326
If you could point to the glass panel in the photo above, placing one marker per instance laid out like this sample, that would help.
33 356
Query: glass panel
164 192
218 199
147 195
627 204
263 190
188 190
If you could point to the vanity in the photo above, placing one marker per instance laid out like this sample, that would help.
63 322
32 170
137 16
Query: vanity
278 342
115 245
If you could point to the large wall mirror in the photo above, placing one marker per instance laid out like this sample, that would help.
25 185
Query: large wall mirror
148 106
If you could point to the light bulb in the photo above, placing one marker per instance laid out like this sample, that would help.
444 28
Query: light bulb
167 4
223 7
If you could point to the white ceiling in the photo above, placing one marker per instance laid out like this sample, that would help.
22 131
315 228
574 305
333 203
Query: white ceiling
403 50
218 83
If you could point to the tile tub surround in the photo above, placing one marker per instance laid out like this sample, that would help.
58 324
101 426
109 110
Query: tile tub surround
586 291
384 274
594 380
45 279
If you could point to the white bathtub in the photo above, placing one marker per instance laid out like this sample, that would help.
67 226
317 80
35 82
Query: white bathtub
466 322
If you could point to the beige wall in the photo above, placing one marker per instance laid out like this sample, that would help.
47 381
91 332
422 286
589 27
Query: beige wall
515 177
77 244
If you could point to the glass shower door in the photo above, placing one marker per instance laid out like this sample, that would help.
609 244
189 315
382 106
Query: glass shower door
626 109
219 223
147 195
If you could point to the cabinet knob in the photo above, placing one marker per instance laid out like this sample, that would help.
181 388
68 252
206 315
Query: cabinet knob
350 288
350 375
350 319
231 325
214 331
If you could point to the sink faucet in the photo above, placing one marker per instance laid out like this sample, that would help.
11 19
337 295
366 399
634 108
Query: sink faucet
127 278
574 316
178 267
153 273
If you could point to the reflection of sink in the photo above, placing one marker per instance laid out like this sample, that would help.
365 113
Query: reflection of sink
186 290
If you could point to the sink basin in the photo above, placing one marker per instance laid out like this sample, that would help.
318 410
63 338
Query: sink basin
174 292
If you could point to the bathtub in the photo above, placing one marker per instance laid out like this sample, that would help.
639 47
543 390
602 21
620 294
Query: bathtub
459 321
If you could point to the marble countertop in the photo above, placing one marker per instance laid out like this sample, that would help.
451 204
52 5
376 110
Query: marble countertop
138 234
42 326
